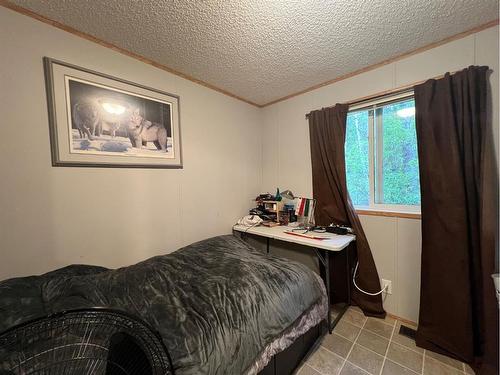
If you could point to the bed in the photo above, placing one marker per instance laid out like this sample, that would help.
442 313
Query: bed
220 306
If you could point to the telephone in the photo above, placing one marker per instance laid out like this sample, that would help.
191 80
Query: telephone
250 221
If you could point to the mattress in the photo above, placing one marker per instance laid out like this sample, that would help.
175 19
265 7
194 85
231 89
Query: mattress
220 306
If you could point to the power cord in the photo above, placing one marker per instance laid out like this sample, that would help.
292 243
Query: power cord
252 226
361 290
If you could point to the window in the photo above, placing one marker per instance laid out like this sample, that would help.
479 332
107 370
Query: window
381 155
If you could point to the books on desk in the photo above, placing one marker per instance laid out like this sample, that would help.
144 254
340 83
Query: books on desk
304 207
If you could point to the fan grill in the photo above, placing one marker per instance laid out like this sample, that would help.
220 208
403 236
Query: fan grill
90 341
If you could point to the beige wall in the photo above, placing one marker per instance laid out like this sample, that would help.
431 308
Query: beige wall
50 217
286 156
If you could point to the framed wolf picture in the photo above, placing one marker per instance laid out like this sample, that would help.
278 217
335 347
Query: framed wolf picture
101 121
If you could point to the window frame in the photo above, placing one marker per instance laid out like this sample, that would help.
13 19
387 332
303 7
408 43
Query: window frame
375 177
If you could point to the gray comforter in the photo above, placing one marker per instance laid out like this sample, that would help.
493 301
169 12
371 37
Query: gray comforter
218 304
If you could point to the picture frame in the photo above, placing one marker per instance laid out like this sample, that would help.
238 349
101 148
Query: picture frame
97 120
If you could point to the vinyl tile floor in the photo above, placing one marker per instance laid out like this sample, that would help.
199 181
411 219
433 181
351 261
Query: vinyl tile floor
371 346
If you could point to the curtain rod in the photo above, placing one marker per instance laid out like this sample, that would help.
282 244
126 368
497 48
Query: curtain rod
398 90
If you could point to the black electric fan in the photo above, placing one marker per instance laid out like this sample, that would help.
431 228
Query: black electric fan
84 341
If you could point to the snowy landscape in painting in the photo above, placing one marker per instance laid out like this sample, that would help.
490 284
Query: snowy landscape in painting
107 121
118 145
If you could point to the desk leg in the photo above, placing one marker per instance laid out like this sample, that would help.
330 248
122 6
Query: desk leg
327 275
348 302
267 245
325 261
348 271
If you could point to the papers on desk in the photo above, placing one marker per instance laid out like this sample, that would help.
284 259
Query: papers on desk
330 241
310 235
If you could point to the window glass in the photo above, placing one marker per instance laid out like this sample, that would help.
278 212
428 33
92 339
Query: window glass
357 158
400 176
381 156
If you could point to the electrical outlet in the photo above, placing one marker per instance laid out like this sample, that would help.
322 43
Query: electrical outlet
387 284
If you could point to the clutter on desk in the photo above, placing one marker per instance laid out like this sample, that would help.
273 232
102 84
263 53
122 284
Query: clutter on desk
270 224
332 228
287 194
284 209
278 197
264 197
339 229
250 221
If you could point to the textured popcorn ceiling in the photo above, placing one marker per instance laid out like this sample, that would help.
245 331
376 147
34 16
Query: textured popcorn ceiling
263 50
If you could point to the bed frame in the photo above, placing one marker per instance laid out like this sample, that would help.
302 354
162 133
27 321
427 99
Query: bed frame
291 359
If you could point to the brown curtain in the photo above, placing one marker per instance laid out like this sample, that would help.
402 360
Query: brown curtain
458 308
327 128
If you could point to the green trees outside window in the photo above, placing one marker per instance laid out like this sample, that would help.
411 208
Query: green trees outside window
381 155
357 158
